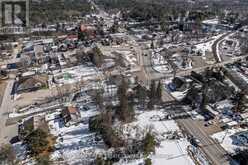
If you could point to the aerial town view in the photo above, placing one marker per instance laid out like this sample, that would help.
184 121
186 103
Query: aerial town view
123 82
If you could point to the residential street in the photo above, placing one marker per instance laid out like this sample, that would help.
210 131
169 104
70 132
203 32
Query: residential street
212 149
7 132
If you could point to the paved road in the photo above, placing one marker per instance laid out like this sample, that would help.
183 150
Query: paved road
7 132
216 154
10 61
215 46
150 73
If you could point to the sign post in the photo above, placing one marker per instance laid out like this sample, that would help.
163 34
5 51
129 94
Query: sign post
14 16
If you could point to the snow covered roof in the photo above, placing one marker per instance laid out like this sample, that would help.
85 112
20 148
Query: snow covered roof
48 41
211 21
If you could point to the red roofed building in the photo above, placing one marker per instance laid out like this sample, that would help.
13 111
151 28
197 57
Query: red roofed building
71 115
72 37
83 28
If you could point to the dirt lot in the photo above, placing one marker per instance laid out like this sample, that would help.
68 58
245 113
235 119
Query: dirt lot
26 99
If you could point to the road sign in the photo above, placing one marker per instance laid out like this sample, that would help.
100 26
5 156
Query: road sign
14 16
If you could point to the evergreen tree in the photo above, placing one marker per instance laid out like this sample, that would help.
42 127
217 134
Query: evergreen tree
125 111
148 161
100 161
131 112
95 123
122 89
152 45
97 57
102 124
149 144
204 101
153 90
152 95
37 142
43 160
107 118
114 28
159 91
241 102
164 25
141 94
99 100
82 35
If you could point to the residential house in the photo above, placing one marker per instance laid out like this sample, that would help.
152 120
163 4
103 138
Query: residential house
71 115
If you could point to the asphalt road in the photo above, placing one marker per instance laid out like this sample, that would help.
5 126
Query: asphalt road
7 132
215 47
216 154
150 73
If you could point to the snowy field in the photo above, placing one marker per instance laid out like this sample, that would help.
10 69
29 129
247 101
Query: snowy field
170 151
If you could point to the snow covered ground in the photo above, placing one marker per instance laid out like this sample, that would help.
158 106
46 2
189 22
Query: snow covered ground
181 62
128 56
224 106
78 144
243 76
179 95
75 144
170 151
232 140
108 63
207 46
20 151
160 64
75 74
